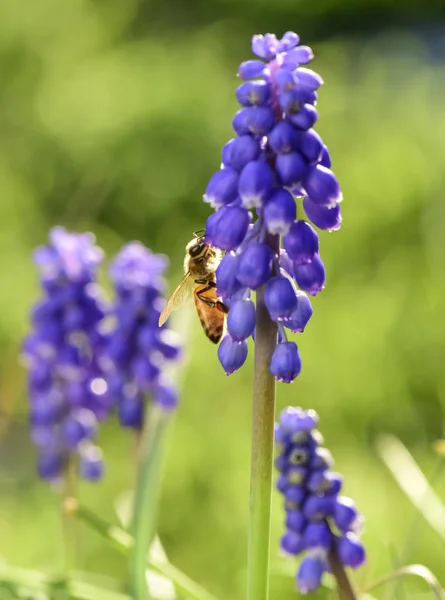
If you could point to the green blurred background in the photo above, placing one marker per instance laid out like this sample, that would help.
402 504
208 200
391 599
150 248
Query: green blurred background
113 114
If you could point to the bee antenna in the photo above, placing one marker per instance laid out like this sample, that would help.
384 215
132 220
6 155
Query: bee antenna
197 233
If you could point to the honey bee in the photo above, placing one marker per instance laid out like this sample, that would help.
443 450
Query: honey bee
200 264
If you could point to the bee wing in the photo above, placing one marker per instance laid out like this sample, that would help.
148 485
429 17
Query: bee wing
178 296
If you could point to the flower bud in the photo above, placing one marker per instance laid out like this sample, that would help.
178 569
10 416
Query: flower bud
280 298
226 281
305 118
222 188
318 508
232 355
310 573
292 168
238 152
318 535
323 217
255 183
257 120
50 465
131 411
250 69
253 93
301 316
311 146
91 463
283 138
165 396
241 319
292 543
351 551
345 514
295 521
227 227
255 265
286 363
322 187
80 425
310 277
301 242
280 212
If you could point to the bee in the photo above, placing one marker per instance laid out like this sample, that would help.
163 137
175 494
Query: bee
200 264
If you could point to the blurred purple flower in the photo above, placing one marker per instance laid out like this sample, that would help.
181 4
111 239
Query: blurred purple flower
138 349
313 505
67 390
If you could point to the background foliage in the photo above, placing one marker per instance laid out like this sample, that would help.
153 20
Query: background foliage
112 117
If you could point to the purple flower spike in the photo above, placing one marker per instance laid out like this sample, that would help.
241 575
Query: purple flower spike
63 354
280 212
310 573
312 503
311 276
275 158
255 184
286 362
241 319
135 371
280 298
255 265
232 355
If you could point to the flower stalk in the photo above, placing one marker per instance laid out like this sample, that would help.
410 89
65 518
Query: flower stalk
151 452
123 542
344 585
262 450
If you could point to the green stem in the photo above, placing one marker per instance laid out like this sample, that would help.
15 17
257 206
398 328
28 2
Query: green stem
123 542
344 586
151 451
262 452
19 578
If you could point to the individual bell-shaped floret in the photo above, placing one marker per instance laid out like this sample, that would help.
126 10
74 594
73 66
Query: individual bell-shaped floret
232 355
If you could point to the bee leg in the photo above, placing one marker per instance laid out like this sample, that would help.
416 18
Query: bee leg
212 303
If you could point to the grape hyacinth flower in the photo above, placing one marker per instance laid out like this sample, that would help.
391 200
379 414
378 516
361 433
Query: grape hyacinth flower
139 350
318 518
275 159
67 390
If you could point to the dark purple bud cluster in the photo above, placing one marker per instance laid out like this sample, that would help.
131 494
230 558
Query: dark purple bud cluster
318 519
276 159
67 389
139 350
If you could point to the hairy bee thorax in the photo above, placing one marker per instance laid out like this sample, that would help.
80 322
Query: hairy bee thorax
201 260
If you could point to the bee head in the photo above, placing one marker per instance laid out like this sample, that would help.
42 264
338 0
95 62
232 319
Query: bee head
197 249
